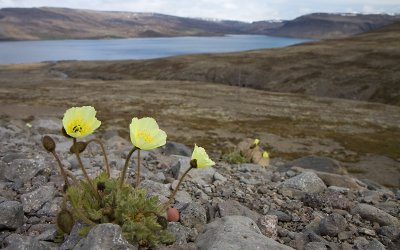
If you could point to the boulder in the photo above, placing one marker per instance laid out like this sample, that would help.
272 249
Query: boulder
317 163
11 215
374 214
104 236
33 201
234 233
307 182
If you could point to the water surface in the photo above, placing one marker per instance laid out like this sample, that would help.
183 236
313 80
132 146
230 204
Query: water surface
134 48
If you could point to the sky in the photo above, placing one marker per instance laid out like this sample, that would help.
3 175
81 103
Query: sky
242 10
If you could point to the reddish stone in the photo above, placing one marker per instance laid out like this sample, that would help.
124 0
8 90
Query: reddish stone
172 214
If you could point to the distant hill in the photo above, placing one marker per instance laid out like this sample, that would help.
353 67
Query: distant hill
325 25
362 67
63 23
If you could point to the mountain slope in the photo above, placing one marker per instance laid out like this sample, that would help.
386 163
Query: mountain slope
362 67
327 25
63 23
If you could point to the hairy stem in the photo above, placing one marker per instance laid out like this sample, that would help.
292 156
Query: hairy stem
104 153
168 203
124 170
137 184
80 215
85 174
61 168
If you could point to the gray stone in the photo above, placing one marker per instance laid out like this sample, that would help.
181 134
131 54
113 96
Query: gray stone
219 178
11 215
374 214
33 201
328 199
73 161
282 216
201 176
180 232
48 235
104 236
193 215
307 182
318 163
392 232
24 169
51 208
232 207
367 231
157 189
339 180
234 233
47 126
375 245
183 197
73 238
316 246
19 242
268 226
332 225
175 148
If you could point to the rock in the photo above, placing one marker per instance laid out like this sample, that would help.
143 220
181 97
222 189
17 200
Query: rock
19 242
193 215
328 199
157 189
175 148
24 169
307 182
367 231
232 207
183 197
392 232
339 180
51 208
282 216
73 238
375 245
11 215
33 201
332 225
374 214
48 235
235 232
316 246
47 126
219 178
75 164
184 246
180 232
317 163
172 214
201 176
104 236
268 226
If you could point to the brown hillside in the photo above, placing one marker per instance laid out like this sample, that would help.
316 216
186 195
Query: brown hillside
362 67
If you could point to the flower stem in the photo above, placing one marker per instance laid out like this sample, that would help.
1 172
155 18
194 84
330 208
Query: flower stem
85 174
121 183
104 153
61 168
137 184
166 205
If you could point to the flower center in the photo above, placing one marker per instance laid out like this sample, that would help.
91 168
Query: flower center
77 126
146 136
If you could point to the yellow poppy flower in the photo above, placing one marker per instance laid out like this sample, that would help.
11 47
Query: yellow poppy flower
145 133
79 122
265 154
256 141
201 156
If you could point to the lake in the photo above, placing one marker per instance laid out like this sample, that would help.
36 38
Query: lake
134 48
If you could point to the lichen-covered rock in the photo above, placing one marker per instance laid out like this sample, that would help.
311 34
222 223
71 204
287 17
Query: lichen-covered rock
332 225
193 215
11 215
104 236
307 182
33 201
19 242
234 233
232 207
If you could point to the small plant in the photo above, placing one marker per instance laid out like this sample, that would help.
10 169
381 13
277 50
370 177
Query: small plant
234 158
111 200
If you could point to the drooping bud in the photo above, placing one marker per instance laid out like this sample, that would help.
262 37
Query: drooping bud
48 143
65 221
80 145
101 186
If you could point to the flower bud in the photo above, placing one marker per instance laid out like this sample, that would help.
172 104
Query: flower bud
101 186
65 221
80 145
193 163
64 133
48 143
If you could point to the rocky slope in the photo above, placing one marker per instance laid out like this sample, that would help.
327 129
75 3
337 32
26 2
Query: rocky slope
62 23
303 204
362 67
327 25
